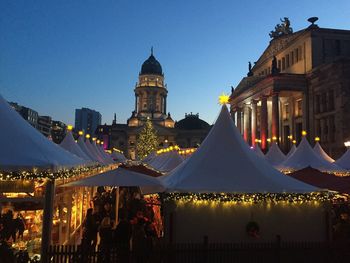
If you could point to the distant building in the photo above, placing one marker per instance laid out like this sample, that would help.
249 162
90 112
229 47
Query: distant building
58 131
28 114
300 82
87 120
151 103
44 125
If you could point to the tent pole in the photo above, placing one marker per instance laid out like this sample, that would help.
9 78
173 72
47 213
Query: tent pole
47 221
116 206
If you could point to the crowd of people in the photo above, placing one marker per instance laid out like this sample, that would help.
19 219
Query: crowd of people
11 228
134 231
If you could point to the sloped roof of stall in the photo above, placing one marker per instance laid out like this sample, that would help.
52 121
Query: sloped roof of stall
23 147
225 164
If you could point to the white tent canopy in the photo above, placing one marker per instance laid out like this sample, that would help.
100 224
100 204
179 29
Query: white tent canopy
258 151
84 148
321 153
70 145
166 162
105 159
23 147
344 160
225 164
92 150
119 177
275 156
119 157
149 157
291 151
304 156
104 154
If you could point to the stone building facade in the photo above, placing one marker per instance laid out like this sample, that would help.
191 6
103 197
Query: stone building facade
300 82
151 103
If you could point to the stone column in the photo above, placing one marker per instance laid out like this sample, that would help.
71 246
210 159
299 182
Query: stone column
253 124
165 105
263 123
239 120
136 102
246 123
275 117
233 114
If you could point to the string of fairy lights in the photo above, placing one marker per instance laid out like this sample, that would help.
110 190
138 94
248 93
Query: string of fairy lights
254 198
36 174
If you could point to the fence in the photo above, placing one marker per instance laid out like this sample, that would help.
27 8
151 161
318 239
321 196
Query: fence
208 252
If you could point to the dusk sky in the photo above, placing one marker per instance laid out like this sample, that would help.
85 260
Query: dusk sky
56 56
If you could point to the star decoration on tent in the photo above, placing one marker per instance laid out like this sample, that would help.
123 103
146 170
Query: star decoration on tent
224 99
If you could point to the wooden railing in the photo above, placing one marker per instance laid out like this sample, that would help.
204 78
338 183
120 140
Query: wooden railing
208 252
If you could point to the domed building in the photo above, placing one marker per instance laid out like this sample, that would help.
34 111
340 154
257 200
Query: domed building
151 103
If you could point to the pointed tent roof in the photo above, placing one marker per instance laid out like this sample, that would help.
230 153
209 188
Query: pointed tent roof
344 160
93 152
305 156
119 177
119 157
225 164
321 153
83 147
275 156
70 145
166 161
291 151
23 147
258 151
105 159
104 154
149 157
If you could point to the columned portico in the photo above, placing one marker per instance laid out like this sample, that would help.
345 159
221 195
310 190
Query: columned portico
239 119
263 123
275 117
254 121
246 123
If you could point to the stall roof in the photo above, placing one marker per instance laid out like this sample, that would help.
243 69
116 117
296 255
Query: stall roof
321 153
23 147
224 163
275 156
344 160
70 145
305 156
291 151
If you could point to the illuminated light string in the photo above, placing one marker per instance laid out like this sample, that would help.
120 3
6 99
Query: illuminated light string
207 198
47 174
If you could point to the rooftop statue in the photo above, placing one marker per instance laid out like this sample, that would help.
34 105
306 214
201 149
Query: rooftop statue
281 29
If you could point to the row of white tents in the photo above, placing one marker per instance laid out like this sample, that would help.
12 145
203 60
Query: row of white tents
304 156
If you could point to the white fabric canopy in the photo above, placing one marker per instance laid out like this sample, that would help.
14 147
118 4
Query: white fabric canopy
321 153
258 151
23 147
275 156
70 145
149 157
106 160
83 147
344 160
119 157
291 151
92 149
166 162
104 154
120 177
304 156
224 163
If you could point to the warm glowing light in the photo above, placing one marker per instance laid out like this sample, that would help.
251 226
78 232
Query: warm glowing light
317 139
256 140
69 127
294 141
303 133
87 136
94 139
268 140
274 138
347 144
224 99
98 141
80 133
290 137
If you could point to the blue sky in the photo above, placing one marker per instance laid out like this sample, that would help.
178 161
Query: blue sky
56 56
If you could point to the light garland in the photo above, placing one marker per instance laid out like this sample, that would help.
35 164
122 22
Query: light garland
46 174
206 198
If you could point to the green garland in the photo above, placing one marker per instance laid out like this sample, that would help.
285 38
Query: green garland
252 198
46 174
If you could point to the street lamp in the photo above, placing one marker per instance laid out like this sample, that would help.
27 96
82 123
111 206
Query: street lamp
347 144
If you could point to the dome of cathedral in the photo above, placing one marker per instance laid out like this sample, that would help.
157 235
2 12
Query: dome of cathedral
151 66
191 122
